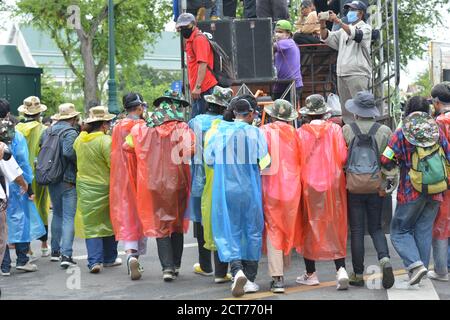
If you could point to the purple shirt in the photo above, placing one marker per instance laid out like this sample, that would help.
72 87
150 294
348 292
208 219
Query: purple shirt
287 62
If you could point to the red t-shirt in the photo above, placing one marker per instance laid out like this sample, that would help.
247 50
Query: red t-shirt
199 50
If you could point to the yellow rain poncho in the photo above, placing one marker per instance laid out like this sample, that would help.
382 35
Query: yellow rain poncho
93 163
32 132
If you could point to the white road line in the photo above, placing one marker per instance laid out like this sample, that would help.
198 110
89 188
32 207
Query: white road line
402 291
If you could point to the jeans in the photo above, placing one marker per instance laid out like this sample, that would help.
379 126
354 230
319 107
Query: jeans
250 268
101 250
411 230
170 250
361 206
275 9
199 105
64 200
440 256
204 255
21 252
311 265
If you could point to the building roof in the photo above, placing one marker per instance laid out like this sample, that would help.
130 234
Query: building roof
10 56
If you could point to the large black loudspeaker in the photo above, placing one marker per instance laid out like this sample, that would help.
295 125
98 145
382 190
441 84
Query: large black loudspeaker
254 49
248 43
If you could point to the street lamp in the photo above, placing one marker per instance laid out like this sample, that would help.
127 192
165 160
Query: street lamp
112 90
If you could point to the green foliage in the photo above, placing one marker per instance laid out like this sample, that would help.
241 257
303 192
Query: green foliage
52 95
423 81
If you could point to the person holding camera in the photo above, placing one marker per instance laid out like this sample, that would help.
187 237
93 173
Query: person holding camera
354 64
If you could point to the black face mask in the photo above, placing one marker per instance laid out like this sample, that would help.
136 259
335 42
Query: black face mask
186 32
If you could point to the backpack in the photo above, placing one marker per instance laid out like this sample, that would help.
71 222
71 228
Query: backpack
50 165
363 165
428 172
223 69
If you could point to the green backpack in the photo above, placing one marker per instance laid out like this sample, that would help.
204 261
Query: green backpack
429 170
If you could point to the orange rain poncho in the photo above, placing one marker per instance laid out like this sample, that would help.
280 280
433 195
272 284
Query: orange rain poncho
441 229
122 198
324 197
163 181
282 188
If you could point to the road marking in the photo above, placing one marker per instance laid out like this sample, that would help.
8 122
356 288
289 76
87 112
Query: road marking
301 288
403 291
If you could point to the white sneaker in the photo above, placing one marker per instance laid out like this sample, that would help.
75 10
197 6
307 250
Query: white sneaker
134 268
434 276
417 275
251 287
45 252
311 280
6 274
117 262
32 257
342 279
239 282
28 267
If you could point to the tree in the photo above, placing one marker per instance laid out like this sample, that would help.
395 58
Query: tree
85 48
423 82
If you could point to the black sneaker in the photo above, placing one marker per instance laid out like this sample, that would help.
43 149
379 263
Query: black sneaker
388 275
67 262
56 255
277 285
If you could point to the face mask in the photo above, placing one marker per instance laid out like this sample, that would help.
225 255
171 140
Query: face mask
352 16
186 32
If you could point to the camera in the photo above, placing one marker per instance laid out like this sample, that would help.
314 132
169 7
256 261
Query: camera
324 15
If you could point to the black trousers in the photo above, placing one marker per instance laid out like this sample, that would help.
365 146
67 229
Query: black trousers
204 255
303 38
170 250
250 268
311 265
44 238
230 6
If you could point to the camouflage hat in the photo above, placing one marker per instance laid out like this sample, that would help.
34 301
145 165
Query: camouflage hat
7 130
164 113
420 129
171 95
315 105
282 110
220 96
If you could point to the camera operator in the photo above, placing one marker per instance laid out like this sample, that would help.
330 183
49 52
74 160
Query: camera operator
354 64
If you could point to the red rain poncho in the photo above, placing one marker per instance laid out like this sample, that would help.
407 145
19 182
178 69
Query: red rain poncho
324 197
123 206
163 180
282 188
441 229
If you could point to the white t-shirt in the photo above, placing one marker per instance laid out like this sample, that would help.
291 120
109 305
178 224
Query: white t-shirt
11 170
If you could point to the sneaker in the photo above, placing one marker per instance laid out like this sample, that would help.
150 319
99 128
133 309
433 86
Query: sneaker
45 252
28 267
67 262
31 257
239 282
342 279
251 287
55 256
169 275
5 273
434 276
388 273
225 279
417 274
177 271
133 268
356 280
306 280
117 262
198 270
96 268
277 285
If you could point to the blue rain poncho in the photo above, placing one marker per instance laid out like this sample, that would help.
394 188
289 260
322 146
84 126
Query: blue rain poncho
200 124
24 222
237 152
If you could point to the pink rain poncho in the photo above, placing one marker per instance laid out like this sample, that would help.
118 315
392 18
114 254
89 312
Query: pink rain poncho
164 180
123 198
324 197
282 188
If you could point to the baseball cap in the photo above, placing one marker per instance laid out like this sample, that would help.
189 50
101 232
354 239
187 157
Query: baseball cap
184 20
284 25
358 5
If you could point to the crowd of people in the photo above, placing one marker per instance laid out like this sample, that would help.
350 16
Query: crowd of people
248 189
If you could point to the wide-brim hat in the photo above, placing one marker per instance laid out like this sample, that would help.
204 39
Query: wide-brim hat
171 95
420 129
66 111
315 106
99 113
220 96
32 106
363 105
282 110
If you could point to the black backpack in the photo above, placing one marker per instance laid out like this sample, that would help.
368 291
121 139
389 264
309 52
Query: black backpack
223 69
50 165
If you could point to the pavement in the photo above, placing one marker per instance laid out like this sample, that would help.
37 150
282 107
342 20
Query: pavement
51 282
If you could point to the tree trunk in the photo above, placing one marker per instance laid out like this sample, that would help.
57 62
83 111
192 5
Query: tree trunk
90 85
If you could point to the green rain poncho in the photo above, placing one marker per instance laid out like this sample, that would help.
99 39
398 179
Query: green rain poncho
93 163
32 132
